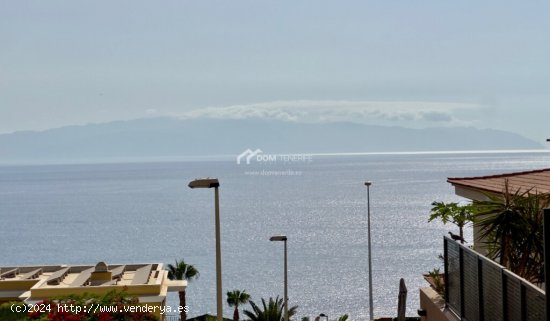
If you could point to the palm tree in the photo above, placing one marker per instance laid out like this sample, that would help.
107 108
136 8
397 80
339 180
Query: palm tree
272 311
460 215
182 271
343 317
236 298
511 224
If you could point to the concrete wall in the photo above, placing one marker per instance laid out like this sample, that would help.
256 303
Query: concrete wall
434 306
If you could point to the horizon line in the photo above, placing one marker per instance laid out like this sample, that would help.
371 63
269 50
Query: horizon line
231 157
435 152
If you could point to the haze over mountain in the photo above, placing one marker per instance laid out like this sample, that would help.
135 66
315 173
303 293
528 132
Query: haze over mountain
157 138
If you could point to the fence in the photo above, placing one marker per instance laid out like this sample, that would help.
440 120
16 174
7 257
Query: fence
172 317
478 289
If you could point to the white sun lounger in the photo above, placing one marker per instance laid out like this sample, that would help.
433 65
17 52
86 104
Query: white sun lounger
142 274
57 276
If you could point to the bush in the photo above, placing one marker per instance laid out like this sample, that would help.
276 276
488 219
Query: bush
84 309
6 313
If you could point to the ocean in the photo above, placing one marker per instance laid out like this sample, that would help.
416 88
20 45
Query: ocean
144 212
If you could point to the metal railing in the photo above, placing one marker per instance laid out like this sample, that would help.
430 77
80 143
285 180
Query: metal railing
478 289
172 317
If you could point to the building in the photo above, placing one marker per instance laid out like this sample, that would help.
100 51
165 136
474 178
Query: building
477 288
478 188
148 282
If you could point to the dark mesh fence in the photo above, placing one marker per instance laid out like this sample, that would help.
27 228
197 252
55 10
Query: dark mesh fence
478 289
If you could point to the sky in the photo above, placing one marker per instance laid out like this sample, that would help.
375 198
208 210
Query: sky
395 63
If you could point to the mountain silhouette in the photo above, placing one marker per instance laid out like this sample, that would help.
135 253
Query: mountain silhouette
170 137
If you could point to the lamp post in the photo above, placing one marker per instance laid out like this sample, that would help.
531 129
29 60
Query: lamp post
209 183
283 238
322 315
371 312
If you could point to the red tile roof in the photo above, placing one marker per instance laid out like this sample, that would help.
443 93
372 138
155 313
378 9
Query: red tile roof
538 181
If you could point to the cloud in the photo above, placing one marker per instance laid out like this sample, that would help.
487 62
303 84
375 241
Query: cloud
410 113
437 116
243 112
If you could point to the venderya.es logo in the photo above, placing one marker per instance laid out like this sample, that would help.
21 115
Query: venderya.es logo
259 156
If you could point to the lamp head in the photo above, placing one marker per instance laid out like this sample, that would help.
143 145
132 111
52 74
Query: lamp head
368 183
278 238
204 183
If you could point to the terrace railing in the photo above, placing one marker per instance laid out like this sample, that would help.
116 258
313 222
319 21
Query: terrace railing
172 317
478 289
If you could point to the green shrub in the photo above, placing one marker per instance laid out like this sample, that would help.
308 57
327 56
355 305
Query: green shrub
6 313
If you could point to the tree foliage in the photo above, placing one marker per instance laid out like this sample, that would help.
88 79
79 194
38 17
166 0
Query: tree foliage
7 313
113 304
236 298
182 271
460 215
343 318
270 311
511 225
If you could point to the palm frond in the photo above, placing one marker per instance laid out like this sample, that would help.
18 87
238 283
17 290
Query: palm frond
273 310
182 271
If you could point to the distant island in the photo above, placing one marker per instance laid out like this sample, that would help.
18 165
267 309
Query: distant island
164 137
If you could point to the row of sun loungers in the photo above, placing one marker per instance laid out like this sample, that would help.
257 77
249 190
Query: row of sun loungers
12 273
141 275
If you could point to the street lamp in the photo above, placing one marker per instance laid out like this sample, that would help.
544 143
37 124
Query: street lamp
283 238
322 315
209 183
368 184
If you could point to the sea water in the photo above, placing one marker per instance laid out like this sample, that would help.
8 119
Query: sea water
144 212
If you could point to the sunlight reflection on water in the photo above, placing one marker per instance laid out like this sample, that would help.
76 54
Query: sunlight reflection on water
143 212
